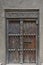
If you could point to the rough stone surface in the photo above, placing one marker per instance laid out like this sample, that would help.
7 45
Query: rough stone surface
19 4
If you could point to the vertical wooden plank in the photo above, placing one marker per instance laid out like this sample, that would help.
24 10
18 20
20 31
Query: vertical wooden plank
7 40
21 41
37 42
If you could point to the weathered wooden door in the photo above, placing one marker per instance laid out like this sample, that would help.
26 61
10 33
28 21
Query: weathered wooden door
29 41
22 41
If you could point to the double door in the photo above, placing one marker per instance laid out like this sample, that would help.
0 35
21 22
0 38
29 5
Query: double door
22 41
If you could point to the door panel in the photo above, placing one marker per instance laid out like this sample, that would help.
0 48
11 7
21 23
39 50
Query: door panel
29 27
14 42
29 42
29 56
14 57
14 27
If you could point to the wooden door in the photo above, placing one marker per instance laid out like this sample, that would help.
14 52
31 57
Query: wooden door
21 45
29 42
